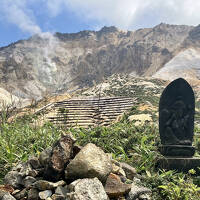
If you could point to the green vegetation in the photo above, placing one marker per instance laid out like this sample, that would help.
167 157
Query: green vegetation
22 138
134 145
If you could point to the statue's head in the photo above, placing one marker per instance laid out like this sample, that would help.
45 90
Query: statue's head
179 107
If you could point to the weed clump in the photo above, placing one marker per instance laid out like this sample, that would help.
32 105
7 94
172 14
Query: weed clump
136 145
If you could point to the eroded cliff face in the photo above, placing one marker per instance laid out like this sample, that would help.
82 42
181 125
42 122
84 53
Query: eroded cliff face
65 62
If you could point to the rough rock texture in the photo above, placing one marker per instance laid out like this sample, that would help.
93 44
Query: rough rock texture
44 157
61 153
14 179
20 194
185 64
33 194
6 188
34 162
144 197
140 118
25 169
64 62
60 156
45 194
62 191
118 170
46 185
137 191
129 170
57 197
90 162
115 188
87 189
27 181
8 197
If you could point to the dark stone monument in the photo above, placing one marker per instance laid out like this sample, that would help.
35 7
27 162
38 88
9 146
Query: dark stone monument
176 126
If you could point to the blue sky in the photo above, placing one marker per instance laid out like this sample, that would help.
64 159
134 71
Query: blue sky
19 19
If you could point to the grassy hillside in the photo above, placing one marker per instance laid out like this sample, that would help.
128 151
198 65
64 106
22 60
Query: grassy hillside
136 145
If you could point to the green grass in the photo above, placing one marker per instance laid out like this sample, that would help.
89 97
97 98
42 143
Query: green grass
22 138
134 145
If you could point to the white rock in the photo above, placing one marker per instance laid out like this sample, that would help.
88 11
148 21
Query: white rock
45 194
87 189
137 191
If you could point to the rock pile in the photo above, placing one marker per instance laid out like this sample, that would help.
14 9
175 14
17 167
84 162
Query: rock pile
67 171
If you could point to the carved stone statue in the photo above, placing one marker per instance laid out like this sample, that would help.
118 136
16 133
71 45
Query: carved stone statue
176 119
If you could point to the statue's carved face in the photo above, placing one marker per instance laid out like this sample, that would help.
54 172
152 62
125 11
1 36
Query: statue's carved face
180 112
179 108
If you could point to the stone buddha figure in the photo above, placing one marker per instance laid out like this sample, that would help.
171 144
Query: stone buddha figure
176 118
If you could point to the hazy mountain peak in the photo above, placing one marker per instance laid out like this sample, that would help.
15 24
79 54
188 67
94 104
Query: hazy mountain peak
64 62
108 29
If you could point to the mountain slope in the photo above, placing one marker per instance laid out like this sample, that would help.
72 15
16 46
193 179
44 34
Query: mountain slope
46 64
185 64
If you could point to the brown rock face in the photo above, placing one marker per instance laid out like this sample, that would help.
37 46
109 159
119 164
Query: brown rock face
65 62
61 153
114 187
6 188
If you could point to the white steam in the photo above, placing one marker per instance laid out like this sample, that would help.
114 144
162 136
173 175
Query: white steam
19 13
49 49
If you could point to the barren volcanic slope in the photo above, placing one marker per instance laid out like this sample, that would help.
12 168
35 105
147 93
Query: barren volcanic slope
65 62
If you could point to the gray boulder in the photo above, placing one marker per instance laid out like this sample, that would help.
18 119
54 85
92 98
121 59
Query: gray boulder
129 170
46 185
8 196
34 162
33 194
90 162
20 194
137 192
44 157
14 179
2 193
87 189
60 190
28 181
25 169
16 175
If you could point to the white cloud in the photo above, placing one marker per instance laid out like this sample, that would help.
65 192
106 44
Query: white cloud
17 12
54 7
125 14
131 13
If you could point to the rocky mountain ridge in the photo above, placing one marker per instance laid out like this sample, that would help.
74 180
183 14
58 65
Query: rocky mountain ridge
47 64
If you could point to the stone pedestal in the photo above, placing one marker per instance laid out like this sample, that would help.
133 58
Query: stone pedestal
181 164
177 150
